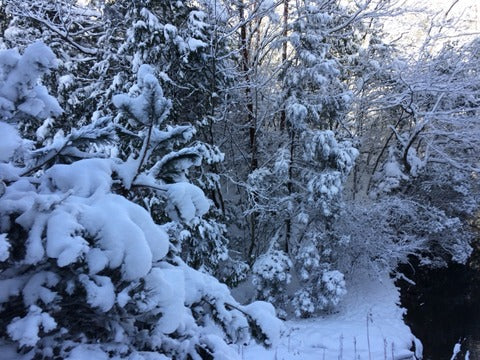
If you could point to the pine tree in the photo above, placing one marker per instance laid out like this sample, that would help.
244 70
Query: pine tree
86 272
181 39
307 177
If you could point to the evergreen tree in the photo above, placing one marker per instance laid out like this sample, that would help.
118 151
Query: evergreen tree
179 39
183 41
307 176
151 143
86 272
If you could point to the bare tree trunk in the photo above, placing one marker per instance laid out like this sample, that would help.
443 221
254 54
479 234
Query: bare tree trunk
288 222
250 121
283 116
283 126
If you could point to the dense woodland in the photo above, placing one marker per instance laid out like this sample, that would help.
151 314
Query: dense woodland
153 151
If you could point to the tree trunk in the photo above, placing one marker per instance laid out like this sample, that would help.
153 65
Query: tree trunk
251 121
288 222
283 115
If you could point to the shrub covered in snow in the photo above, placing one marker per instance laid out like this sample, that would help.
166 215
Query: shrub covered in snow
86 272
271 276
323 288
376 236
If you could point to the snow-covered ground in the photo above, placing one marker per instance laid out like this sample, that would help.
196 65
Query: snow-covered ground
345 334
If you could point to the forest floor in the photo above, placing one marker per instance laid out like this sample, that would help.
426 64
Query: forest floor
345 334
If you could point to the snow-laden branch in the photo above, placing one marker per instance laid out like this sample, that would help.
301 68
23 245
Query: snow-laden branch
61 18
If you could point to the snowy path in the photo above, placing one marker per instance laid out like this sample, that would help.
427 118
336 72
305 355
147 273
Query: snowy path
345 335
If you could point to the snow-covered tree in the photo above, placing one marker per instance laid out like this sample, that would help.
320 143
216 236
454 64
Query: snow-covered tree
375 237
298 192
183 41
411 195
312 79
151 147
86 272
299 209
100 56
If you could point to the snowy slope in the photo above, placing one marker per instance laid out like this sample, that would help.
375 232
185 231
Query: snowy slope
345 335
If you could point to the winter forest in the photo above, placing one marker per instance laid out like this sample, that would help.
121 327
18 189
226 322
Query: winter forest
236 179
